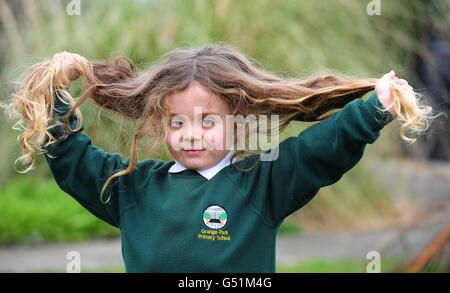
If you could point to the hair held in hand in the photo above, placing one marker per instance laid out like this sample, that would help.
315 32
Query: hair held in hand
141 95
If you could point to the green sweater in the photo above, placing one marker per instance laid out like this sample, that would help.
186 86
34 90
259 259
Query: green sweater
182 222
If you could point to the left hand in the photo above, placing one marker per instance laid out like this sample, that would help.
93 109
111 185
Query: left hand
383 89
66 59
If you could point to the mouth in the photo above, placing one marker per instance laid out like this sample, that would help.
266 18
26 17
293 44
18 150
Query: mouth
194 152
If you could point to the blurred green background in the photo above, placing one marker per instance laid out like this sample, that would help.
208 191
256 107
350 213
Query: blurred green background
290 38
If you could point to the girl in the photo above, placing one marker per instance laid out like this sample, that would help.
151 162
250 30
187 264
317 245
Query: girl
204 211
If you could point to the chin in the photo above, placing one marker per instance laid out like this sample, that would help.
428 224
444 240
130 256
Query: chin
196 166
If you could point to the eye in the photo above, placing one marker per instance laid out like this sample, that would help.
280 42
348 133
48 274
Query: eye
208 122
176 123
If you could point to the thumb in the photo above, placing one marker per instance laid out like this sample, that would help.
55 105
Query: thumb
388 76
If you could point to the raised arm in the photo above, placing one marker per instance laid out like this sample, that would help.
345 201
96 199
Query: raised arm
81 169
319 156
323 153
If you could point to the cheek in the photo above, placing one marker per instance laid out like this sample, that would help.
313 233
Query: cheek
173 139
168 142
169 138
209 138
215 138
214 135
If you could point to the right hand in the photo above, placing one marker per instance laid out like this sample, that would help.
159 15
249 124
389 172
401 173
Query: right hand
383 89
67 58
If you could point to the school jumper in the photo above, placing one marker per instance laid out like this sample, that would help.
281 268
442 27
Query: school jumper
223 220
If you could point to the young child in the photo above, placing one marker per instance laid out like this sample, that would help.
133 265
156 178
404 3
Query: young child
205 211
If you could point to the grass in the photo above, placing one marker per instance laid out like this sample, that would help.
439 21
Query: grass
37 210
349 265
33 211
315 265
290 227
324 265
289 37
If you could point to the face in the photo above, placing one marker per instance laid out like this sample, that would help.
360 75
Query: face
196 135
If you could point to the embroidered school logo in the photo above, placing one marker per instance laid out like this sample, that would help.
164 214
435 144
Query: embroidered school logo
215 217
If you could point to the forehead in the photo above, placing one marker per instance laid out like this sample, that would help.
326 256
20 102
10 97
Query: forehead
196 95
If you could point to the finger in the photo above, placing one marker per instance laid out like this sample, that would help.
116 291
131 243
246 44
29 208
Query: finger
77 56
387 75
392 77
403 83
81 58
57 58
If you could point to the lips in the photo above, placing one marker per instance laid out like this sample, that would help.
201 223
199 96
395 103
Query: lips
194 152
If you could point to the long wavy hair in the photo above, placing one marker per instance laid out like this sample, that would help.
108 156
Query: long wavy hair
142 95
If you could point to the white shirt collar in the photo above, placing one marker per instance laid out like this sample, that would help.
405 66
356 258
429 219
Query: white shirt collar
209 172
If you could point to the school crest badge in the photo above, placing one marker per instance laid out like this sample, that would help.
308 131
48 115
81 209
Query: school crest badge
215 217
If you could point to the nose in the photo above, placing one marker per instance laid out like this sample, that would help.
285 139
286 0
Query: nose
192 137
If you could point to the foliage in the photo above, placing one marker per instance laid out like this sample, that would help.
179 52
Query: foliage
289 37
33 211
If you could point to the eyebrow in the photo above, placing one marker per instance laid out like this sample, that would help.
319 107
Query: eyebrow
203 113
